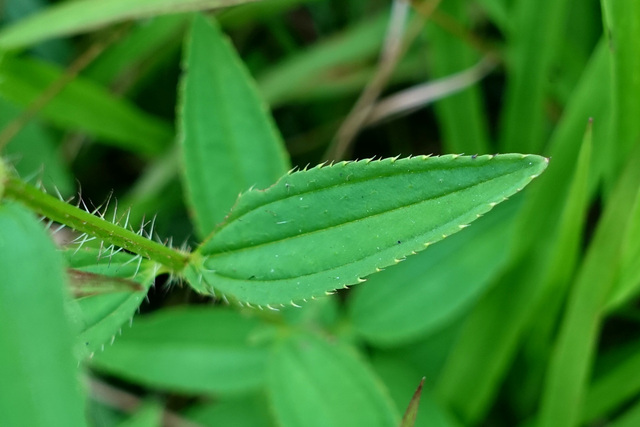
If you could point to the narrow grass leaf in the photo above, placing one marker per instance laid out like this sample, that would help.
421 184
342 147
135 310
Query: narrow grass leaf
57 51
300 73
419 295
259 11
80 16
461 118
189 350
99 319
628 283
132 55
575 347
555 277
39 373
230 142
326 228
329 384
622 28
470 388
83 106
535 38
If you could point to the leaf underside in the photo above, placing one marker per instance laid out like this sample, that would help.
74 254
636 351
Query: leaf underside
326 228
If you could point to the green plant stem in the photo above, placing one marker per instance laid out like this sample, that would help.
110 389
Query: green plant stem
83 221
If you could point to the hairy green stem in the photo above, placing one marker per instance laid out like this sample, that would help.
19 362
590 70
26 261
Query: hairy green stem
83 221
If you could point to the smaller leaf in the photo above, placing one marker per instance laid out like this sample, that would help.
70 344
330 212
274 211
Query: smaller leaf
409 418
226 130
191 350
99 318
312 382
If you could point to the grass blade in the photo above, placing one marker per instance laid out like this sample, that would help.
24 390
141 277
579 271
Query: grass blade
535 36
470 388
622 27
324 61
628 282
461 118
79 16
82 105
569 368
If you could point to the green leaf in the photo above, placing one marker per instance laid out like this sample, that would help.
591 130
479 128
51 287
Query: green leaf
354 217
259 11
85 15
622 28
421 294
470 388
628 282
83 105
99 318
40 381
535 40
191 350
574 349
312 382
462 121
229 141
132 55
554 276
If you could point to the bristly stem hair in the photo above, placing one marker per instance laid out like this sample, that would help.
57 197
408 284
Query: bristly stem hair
92 225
